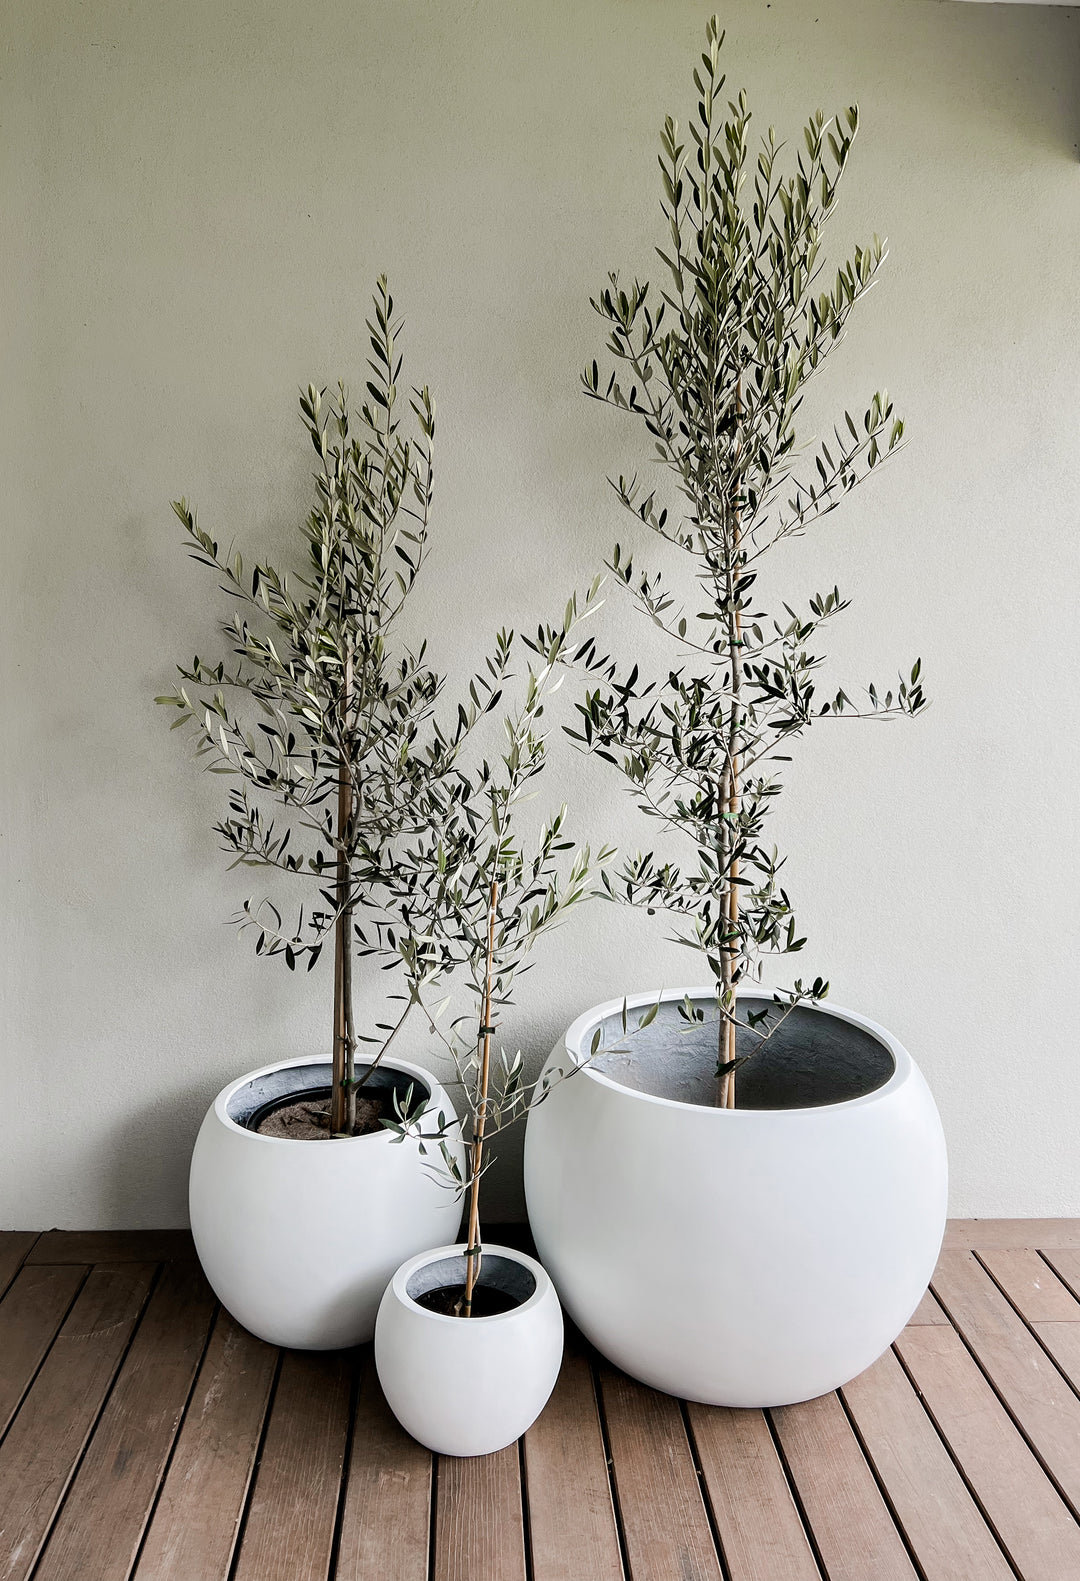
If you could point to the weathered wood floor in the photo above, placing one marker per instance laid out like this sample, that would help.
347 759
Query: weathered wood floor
145 1435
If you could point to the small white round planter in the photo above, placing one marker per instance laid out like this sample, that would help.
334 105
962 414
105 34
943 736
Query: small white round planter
298 1239
745 1257
468 1386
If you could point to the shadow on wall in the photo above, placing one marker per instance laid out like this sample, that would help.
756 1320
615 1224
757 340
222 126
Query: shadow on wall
147 1152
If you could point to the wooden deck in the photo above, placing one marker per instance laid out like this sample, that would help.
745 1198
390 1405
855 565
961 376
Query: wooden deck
145 1435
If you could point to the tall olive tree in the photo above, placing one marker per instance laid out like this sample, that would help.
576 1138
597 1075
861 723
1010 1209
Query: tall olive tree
715 367
324 716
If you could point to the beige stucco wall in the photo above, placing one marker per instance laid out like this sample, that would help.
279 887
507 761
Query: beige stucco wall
196 201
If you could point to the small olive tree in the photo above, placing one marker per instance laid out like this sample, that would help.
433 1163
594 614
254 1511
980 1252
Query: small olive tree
715 367
492 892
325 719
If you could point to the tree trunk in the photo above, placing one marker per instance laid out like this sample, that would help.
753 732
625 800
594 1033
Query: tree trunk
727 1081
726 1094
473 1249
343 1095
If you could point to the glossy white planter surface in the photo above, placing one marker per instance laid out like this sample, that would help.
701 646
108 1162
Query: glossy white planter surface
298 1239
746 1257
468 1386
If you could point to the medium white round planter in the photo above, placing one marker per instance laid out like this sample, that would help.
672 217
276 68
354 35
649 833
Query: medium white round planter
298 1239
468 1386
745 1257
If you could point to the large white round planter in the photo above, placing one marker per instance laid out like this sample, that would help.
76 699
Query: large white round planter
745 1257
468 1386
298 1239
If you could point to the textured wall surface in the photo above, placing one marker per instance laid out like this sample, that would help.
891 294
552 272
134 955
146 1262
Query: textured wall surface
197 199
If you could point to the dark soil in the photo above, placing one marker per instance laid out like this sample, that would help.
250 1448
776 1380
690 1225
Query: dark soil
308 1119
486 1301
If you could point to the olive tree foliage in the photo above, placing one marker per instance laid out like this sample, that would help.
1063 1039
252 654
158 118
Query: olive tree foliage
325 719
715 367
492 890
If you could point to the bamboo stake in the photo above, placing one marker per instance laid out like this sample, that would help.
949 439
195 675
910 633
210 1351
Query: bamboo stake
343 1095
727 1083
725 953
473 1251
731 908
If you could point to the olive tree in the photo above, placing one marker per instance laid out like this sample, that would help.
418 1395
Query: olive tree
492 890
715 367
325 718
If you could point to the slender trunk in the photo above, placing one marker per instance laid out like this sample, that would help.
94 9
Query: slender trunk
473 1249
730 957
726 1094
343 1095
723 1026
727 1081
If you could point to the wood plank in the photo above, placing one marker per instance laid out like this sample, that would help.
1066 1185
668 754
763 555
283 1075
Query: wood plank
928 1311
15 1247
929 1498
1032 1522
1066 1264
1062 1340
572 1527
1046 1302
30 1317
1031 1285
1032 1387
290 1526
47 1437
195 1524
852 1527
479 1530
665 1526
113 1246
101 1524
385 1530
990 1234
761 1532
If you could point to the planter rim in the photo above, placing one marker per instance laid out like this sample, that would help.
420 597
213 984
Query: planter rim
401 1279
221 1102
904 1065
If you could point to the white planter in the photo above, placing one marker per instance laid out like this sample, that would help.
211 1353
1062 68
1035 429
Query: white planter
746 1257
468 1386
298 1239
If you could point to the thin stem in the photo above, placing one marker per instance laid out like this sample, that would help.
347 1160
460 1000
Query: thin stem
473 1250
381 1055
343 1096
730 899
